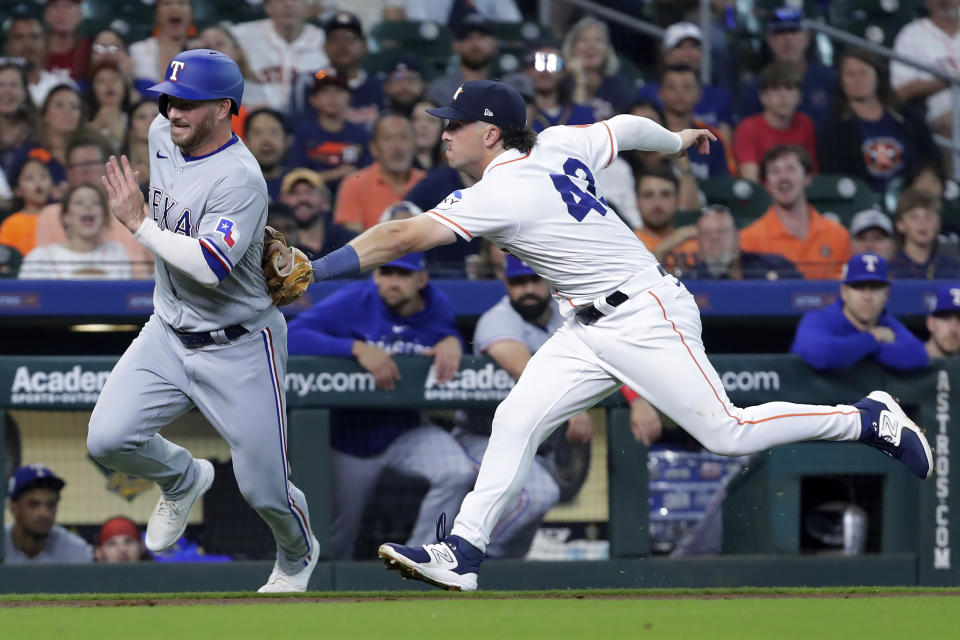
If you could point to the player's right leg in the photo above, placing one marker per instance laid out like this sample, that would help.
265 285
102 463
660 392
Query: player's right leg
142 394
562 379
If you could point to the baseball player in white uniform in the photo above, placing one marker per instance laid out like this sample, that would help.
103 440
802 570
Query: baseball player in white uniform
215 340
626 320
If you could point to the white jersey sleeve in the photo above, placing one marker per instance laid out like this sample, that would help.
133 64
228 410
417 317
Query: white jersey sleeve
595 143
471 213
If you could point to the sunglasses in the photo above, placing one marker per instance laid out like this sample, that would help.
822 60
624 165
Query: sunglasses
105 48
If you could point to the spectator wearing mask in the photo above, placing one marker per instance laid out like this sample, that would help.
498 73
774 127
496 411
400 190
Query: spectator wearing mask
281 46
119 541
778 123
857 326
683 45
720 257
365 194
791 227
309 200
918 224
943 323
328 143
32 537
871 231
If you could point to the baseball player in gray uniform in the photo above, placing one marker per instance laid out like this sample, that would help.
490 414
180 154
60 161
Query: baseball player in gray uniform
215 340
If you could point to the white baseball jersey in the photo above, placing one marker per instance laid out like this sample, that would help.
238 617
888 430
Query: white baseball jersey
276 61
221 199
544 208
925 42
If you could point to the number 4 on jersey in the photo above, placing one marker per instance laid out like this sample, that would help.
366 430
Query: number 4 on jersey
579 202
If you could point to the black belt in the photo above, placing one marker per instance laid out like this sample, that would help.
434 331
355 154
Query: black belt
590 314
204 338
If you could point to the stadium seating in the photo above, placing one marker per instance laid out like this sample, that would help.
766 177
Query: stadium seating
427 40
746 200
841 196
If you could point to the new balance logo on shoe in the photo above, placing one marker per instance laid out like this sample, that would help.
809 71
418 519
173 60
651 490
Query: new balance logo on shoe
441 554
888 429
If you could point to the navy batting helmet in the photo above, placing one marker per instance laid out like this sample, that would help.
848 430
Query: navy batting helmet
201 74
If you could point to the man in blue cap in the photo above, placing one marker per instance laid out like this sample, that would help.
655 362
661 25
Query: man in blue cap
857 326
626 320
397 312
32 537
943 323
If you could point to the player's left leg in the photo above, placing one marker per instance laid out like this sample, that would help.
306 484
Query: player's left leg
239 388
653 344
431 453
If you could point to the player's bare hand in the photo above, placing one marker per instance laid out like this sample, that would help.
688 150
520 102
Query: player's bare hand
378 362
580 428
446 358
123 193
645 422
883 334
699 139
285 260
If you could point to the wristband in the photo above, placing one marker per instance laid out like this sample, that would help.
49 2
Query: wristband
342 262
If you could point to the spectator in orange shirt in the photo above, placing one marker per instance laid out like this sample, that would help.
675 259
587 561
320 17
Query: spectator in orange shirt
365 194
657 198
32 186
791 227
779 123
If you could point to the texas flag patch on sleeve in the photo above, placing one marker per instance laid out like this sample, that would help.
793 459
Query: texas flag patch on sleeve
225 228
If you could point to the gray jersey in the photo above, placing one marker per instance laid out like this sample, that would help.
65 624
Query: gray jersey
62 547
502 322
221 199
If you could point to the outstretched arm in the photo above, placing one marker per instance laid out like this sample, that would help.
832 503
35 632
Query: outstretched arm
381 244
636 132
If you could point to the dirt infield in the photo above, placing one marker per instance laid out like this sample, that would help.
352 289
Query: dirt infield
86 600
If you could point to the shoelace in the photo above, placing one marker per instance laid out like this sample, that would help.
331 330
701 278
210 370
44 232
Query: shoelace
442 527
167 508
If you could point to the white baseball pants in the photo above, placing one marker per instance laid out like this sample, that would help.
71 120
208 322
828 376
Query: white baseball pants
652 344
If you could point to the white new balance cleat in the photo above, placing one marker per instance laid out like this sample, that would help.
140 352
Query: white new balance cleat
282 582
885 426
169 518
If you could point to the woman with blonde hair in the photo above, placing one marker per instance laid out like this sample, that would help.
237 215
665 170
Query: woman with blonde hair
594 66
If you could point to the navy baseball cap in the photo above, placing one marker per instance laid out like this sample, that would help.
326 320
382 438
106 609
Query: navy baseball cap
865 267
948 299
785 19
33 476
411 262
487 100
516 268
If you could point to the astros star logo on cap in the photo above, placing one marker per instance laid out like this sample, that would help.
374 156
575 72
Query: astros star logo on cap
456 94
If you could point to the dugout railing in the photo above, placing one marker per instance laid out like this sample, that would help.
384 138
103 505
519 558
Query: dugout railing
761 513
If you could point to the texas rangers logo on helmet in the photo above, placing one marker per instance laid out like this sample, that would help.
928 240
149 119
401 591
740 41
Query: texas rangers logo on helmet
175 67
225 228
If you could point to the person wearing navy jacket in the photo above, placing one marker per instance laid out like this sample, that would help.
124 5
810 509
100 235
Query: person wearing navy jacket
397 311
858 326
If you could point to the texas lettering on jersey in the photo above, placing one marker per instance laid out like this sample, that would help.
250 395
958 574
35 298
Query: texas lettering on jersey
168 215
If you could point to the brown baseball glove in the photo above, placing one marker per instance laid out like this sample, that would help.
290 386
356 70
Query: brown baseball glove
285 283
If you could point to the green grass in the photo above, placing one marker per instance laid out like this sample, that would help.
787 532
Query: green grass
503 615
